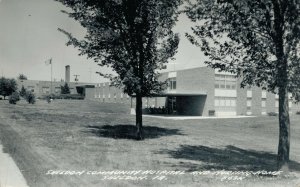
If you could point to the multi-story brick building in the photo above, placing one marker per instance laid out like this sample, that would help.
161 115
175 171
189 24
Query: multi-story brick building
199 91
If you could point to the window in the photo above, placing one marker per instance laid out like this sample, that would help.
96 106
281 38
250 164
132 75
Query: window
46 90
31 88
228 102
263 111
217 102
264 94
172 83
57 89
249 93
233 103
222 102
225 82
225 102
263 103
249 103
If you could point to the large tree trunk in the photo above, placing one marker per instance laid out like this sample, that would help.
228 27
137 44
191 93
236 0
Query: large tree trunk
139 117
284 130
282 80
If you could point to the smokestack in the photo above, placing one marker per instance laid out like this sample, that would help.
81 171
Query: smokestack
67 78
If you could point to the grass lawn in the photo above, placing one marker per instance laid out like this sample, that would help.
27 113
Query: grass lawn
88 136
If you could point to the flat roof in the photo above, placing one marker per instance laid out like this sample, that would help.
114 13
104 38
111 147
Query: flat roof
179 93
183 93
86 86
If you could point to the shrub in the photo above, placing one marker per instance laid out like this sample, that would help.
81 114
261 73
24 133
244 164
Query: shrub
65 89
30 97
23 92
14 98
272 114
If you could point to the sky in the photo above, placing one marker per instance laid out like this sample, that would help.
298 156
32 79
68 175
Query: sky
29 37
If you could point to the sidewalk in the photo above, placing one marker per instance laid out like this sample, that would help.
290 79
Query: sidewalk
10 175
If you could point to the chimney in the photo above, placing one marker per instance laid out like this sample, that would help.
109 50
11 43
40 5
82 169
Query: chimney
67 78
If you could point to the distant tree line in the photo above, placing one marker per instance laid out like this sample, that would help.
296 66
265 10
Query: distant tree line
9 87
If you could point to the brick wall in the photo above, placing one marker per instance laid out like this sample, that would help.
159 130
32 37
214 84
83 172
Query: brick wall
241 100
195 80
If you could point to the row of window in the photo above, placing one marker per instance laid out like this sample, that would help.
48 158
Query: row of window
109 96
46 90
222 84
225 77
103 85
263 94
225 82
264 101
225 102
277 103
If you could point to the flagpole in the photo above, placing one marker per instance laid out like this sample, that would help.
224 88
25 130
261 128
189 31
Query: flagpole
51 75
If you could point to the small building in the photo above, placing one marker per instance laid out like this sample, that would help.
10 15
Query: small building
43 88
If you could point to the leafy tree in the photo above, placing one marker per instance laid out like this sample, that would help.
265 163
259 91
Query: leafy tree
30 97
23 92
259 41
7 86
65 89
14 98
133 37
22 77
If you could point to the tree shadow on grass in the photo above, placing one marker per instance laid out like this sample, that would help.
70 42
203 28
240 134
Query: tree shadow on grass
126 131
229 158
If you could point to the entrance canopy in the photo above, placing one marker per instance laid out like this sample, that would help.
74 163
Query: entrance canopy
178 93
182 93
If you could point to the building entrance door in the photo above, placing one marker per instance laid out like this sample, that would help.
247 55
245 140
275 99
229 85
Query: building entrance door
171 105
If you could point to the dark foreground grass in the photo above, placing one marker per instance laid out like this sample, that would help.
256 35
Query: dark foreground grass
86 136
